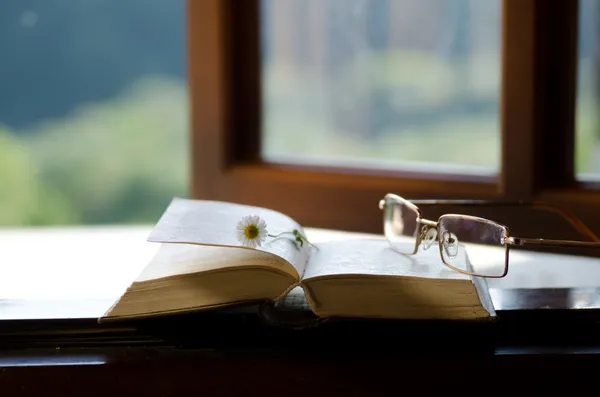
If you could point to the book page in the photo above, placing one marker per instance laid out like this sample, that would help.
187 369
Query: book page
365 277
179 259
375 256
214 223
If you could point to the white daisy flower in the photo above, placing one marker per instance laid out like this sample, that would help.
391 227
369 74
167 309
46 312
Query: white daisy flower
251 231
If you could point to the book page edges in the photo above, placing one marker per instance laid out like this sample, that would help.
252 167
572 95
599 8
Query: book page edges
243 275
480 284
186 310
477 290
483 292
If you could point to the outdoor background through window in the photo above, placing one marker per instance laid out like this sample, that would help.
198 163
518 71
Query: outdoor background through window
394 83
93 110
587 155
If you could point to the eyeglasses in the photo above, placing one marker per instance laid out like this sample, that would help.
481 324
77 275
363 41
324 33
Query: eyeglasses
487 243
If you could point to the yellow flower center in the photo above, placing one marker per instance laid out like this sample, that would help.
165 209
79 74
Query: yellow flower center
251 232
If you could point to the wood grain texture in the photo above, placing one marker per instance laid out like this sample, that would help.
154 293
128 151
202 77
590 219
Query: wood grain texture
208 86
538 96
556 76
192 372
518 101
354 359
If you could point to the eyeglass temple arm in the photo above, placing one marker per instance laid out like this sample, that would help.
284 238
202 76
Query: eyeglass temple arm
540 241
568 216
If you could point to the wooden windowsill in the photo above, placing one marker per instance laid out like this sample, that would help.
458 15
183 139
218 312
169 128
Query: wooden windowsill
78 272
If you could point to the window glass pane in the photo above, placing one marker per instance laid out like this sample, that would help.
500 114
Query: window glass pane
93 110
383 83
587 133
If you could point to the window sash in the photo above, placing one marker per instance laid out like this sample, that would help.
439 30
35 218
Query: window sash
539 40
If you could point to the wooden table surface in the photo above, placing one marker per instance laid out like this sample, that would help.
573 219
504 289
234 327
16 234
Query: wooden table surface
55 283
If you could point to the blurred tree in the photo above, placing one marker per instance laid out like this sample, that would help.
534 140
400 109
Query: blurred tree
23 197
121 161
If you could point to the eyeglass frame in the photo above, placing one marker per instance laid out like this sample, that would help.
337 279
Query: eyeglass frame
507 239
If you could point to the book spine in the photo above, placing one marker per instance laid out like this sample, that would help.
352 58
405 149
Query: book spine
292 309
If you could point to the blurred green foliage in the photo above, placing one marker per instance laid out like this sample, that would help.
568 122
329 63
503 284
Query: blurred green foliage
437 117
116 161
379 110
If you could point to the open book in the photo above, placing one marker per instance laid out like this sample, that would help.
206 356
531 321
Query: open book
201 264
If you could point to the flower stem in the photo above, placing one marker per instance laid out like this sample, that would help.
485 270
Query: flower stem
299 237
277 235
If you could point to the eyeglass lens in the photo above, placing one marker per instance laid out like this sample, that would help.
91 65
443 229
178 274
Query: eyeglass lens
482 240
400 226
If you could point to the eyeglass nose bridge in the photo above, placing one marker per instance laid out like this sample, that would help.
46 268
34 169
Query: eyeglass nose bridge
427 222
428 233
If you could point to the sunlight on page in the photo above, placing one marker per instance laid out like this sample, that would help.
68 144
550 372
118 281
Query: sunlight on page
375 256
322 235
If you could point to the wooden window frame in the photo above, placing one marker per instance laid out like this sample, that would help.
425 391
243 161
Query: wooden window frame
537 123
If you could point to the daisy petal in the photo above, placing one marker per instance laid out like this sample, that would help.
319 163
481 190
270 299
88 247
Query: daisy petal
251 231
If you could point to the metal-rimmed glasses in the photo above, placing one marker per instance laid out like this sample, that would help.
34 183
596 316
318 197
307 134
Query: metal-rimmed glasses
487 242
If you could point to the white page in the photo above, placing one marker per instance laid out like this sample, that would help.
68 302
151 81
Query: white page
215 223
375 256
178 259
